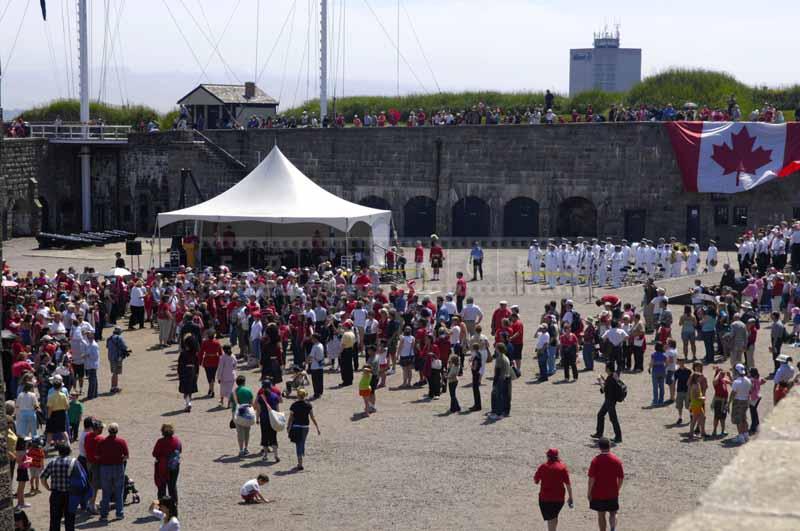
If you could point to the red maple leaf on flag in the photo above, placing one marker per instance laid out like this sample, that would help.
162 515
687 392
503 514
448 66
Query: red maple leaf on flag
741 158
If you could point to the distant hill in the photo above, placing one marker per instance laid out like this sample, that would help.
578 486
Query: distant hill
675 85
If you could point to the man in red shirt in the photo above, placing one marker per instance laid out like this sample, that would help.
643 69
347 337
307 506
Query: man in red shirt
516 338
499 314
605 482
112 454
93 438
553 476
461 291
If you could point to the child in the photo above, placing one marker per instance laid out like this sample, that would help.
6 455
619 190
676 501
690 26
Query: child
672 366
383 363
36 455
23 464
780 392
682 375
364 388
721 382
74 414
755 398
697 406
251 490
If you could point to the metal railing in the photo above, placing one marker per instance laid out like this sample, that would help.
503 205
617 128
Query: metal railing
75 132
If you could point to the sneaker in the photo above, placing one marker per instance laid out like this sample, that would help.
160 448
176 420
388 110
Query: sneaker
595 435
680 421
391 371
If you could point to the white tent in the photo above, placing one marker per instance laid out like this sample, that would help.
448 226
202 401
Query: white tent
277 192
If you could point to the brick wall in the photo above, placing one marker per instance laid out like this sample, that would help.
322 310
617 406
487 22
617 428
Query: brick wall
21 165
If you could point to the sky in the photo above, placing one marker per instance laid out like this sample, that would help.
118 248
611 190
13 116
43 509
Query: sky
158 50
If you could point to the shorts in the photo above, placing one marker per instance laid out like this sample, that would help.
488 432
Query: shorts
550 509
35 472
739 411
250 498
670 377
80 370
605 506
94 475
22 475
688 335
720 407
406 361
682 400
116 367
516 352
365 392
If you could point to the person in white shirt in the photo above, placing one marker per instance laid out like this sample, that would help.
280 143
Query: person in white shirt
256 331
551 266
472 315
615 336
359 322
91 355
711 257
251 490
165 510
449 306
740 397
316 360
138 293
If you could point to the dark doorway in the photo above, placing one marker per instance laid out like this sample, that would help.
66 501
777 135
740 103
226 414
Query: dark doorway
521 218
692 223
44 225
419 217
577 216
471 217
635 225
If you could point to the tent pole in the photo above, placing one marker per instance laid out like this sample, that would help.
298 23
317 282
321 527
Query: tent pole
159 262
347 238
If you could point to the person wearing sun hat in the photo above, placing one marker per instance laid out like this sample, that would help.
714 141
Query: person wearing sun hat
553 477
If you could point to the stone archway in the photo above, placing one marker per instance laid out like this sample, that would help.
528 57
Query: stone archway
577 216
471 218
521 218
419 217
373 201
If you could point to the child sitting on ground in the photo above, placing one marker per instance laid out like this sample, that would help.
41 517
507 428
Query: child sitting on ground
251 490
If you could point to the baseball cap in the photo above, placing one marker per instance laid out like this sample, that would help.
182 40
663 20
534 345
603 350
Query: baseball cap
740 368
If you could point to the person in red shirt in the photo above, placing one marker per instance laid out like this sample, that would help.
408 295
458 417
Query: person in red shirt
93 438
461 291
605 483
499 314
553 477
112 454
516 337
210 352
436 256
419 258
568 343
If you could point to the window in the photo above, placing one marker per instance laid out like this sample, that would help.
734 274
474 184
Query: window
721 215
740 215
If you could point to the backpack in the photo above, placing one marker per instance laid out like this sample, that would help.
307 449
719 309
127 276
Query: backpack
576 322
622 391
79 489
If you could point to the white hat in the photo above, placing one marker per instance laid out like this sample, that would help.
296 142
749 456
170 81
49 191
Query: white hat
740 369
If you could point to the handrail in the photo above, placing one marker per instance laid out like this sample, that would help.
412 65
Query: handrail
78 132
220 149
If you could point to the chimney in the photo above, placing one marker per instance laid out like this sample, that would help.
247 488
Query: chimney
249 90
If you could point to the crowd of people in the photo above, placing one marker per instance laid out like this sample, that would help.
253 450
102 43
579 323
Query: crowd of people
298 328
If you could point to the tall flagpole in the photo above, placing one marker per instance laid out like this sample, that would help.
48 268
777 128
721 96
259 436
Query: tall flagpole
83 47
323 60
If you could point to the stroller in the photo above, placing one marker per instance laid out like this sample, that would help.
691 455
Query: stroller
130 489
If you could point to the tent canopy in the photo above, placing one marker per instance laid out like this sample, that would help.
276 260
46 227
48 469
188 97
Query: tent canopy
277 192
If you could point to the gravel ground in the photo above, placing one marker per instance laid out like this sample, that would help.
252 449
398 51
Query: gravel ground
411 465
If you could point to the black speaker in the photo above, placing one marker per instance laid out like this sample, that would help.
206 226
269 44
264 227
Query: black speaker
133 248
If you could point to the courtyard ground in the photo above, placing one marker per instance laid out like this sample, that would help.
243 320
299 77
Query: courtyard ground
411 465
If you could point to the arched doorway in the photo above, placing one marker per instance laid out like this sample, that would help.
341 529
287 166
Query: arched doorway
471 217
419 217
373 201
577 216
521 218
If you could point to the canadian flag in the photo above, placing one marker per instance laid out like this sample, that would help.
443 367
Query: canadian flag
731 157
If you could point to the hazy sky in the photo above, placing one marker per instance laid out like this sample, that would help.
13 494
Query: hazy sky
469 44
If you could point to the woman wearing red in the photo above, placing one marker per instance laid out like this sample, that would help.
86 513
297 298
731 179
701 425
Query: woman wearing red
553 476
210 352
167 452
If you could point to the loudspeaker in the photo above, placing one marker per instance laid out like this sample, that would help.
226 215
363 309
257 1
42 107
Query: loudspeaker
133 248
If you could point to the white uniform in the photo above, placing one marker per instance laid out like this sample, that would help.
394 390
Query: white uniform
711 258
677 265
535 262
692 260
617 263
602 268
551 267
